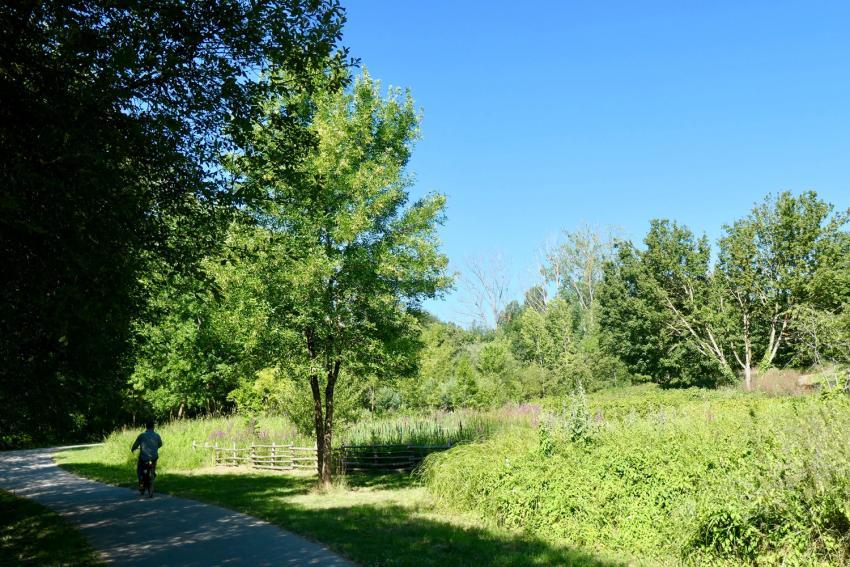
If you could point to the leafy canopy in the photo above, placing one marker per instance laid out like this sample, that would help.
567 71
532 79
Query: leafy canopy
113 116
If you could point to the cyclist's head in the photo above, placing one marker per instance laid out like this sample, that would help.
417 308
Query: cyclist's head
149 424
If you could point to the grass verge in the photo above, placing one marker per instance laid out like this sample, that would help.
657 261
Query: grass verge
31 534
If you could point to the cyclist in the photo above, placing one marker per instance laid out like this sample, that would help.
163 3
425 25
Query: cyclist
148 444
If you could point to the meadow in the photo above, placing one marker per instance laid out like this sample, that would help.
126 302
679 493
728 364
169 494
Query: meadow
637 475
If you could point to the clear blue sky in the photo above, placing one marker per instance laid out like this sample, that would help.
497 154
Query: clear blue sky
540 116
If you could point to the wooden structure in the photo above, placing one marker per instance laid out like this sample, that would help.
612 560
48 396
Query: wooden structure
382 458
348 458
270 457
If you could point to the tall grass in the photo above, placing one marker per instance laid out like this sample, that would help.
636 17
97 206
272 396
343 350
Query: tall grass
438 428
178 453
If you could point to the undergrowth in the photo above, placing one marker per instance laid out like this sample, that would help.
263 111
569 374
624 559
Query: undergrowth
674 477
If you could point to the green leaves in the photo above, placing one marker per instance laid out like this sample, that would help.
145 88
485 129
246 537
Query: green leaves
668 477
656 307
113 120
359 257
343 261
772 261
672 315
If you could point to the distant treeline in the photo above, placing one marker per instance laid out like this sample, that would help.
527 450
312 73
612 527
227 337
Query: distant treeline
773 292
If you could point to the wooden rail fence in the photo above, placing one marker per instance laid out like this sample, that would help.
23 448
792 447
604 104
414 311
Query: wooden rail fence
381 458
348 458
271 457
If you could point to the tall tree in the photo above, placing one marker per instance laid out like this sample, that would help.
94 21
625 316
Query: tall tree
486 284
112 119
344 259
576 267
679 263
776 294
657 310
771 262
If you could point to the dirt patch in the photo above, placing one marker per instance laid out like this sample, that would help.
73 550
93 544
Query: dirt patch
780 381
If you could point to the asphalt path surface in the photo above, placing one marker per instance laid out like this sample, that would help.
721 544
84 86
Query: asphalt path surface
165 530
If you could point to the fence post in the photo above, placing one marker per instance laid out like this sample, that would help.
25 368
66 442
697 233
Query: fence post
235 462
215 454
253 454
274 455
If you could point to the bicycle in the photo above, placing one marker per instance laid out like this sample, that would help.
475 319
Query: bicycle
147 478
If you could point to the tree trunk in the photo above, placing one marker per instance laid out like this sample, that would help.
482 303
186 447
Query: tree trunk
318 422
748 359
327 441
747 363
776 339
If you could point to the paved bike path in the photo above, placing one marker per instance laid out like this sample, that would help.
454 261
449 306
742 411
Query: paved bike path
165 530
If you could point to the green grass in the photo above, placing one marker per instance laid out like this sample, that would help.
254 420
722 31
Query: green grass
177 452
438 428
31 534
385 520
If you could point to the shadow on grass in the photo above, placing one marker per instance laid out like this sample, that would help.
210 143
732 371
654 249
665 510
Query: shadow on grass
371 533
388 481
31 534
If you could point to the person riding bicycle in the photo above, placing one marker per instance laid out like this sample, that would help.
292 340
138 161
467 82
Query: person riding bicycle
148 444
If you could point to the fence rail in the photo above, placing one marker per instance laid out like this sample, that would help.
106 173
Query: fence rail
380 458
348 458
271 457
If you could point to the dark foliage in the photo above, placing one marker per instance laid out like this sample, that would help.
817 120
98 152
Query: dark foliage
112 118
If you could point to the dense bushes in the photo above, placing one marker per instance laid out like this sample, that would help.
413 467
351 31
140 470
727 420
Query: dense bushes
704 478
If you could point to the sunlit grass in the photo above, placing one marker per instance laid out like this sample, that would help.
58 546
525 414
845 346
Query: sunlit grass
437 428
